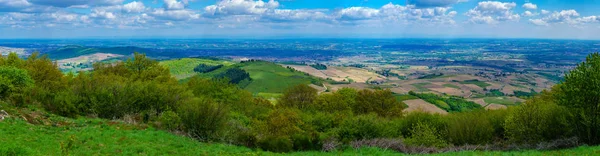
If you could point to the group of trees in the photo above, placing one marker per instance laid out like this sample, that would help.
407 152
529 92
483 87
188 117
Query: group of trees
204 68
217 110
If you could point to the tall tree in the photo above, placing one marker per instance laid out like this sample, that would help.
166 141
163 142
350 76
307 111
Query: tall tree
580 93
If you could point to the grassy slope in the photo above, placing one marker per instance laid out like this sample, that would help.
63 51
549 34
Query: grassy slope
272 78
184 68
102 137
268 78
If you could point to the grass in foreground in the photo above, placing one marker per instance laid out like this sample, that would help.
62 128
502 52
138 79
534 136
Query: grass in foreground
82 136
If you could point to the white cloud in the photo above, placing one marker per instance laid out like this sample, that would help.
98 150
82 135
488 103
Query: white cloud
570 17
530 6
492 12
529 14
240 7
357 13
545 12
175 4
134 6
69 3
433 3
176 15
102 14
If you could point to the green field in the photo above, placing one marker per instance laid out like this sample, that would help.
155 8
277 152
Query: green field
269 77
82 136
421 86
499 100
476 82
451 86
184 68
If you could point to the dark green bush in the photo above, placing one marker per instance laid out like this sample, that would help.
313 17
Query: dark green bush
360 127
471 128
423 134
276 144
170 120
202 118
538 120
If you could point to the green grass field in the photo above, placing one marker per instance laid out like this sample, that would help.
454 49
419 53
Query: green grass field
267 78
102 137
478 83
499 100
421 86
451 86
272 78
184 68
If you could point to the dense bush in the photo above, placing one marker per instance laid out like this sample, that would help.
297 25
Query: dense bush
423 134
470 128
360 127
319 66
382 102
234 75
202 118
301 96
580 94
539 119
204 68
13 81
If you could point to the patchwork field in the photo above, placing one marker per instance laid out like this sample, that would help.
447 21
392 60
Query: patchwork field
184 68
422 106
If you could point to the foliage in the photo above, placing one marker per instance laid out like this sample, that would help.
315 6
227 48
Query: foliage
319 66
450 104
301 96
381 102
470 128
204 68
202 118
13 81
539 119
360 127
423 134
234 75
580 94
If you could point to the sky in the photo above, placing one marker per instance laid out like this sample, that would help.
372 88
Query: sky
551 19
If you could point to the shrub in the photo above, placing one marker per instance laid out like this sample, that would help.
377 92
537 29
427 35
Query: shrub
580 93
539 119
469 128
13 80
301 96
423 134
382 102
276 144
412 119
65 103
202 118
360 127
170 120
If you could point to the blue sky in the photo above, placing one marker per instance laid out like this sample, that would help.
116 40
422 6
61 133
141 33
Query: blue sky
568 19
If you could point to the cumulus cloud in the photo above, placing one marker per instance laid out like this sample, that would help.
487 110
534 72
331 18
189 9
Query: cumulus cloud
492 12
570 17
397 13
134 6
433 3
529 14
240 7
68 3
530 6
176 15
175 4
545 12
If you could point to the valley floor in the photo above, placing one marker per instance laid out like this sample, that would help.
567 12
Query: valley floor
51 135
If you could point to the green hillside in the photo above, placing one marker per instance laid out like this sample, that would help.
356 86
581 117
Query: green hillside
267 78
53 135
184 68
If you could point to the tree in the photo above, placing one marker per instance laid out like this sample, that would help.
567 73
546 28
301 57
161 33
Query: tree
301 96
580 93
13 80
382 102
